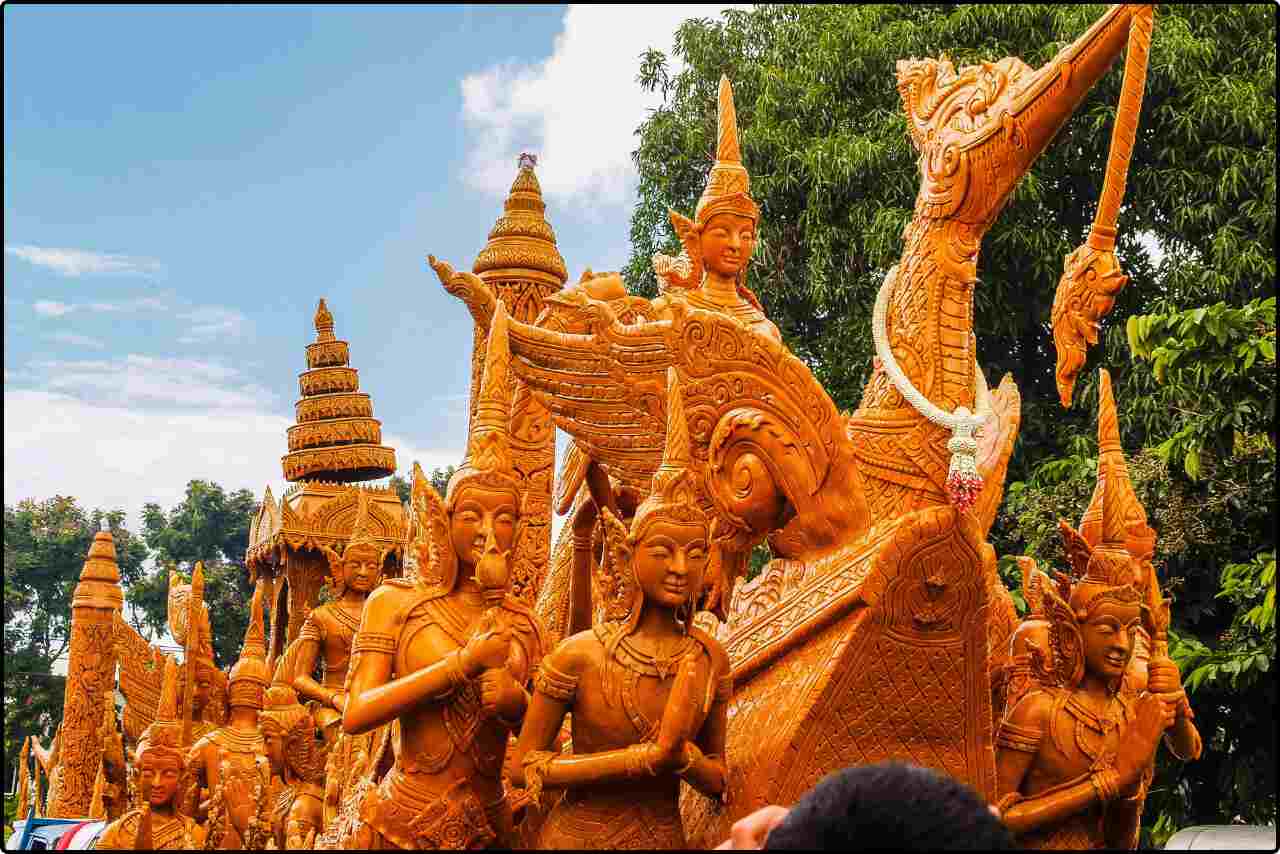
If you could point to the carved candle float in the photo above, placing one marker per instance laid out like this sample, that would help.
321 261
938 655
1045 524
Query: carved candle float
875 631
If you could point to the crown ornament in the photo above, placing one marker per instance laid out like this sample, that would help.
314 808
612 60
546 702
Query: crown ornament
488 462
250 676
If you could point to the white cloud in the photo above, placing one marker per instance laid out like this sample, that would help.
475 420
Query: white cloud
109 456
139 304
81 262
52 308
154 382
578 109
73 339
212 321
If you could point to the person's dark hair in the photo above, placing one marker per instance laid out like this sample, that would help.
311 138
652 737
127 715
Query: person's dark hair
890 805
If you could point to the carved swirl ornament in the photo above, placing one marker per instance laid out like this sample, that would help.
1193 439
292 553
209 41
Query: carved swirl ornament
963 480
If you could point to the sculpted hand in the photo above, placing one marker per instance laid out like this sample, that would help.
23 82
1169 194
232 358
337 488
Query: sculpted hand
500 695
237 794
1140 738
677 717
488 646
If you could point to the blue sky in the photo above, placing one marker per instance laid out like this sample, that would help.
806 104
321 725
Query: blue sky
182 184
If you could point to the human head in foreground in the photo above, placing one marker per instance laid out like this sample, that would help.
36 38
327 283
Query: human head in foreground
887 805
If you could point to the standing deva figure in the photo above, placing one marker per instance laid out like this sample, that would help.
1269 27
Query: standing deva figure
231 762
1075 747
447 653
330 628
158 822
296 757
647 690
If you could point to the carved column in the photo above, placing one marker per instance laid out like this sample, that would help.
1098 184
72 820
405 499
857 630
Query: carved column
90 673
522 266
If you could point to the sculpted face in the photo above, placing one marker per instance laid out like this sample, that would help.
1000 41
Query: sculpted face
361 569
670 561
164 772
728 240
1108 636
200 696
477 512
275 751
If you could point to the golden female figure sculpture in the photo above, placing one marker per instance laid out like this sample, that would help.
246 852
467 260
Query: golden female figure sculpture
297 761
648 692
158 822
330 628
447 653
1075 748
231 762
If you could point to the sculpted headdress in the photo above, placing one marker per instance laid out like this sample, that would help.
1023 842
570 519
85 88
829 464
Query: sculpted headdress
283 716
164 736
1103 567
361 539
1114 525
488 461
728 190
676 497
250 676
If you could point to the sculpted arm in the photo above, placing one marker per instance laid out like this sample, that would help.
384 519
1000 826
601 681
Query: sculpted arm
707 769
535 767
311 640
375 698
1018 742
1183 739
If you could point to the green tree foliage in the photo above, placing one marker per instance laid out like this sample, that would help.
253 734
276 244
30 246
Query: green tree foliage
45 546
208 525
824 136
439 479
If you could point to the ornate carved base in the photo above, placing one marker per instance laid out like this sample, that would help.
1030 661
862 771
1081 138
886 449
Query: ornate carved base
884 657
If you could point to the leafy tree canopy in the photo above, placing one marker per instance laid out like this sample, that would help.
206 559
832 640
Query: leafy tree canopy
45 546
439 479
208 525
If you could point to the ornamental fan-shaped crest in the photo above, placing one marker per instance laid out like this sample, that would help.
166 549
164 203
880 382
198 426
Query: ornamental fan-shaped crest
489 461
676 491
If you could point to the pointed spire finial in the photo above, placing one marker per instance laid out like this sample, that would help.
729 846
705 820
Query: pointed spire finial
728 187
727 150
324 322
676 454
489 443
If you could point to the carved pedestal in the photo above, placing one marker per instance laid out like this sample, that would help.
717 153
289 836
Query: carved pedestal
879 652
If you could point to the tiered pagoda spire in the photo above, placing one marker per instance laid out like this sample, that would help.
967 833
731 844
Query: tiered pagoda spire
336 438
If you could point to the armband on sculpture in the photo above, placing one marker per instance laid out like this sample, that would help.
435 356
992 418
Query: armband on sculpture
555 684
